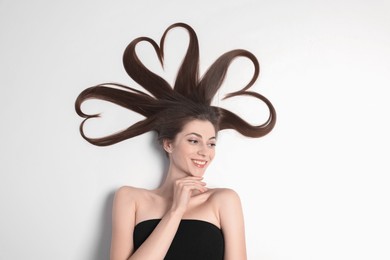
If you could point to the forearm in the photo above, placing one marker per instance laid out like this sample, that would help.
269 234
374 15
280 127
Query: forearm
157 244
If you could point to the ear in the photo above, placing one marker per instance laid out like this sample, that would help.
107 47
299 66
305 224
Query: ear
168 145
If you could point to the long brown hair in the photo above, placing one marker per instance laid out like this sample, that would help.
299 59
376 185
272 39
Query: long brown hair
168 108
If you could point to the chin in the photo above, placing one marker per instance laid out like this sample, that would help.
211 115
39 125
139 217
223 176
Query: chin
197 172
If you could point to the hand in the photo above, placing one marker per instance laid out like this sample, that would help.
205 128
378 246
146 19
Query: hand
183 190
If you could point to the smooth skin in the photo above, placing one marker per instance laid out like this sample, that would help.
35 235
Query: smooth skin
183 195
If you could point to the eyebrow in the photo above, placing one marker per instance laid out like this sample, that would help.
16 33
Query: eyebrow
200 136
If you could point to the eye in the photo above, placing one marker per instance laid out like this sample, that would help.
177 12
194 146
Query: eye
193 141
212 145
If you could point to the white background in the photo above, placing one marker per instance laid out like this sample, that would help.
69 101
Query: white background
316 188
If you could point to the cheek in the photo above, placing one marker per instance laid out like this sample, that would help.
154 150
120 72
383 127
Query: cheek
212 154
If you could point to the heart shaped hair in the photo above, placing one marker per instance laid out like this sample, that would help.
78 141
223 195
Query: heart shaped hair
189 98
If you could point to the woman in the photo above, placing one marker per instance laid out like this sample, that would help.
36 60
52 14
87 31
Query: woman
181 219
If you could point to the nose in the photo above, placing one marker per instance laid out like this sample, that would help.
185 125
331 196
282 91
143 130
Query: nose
203 150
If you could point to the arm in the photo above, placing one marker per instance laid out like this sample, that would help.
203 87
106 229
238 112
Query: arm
123 219
232 224
123 223
159 241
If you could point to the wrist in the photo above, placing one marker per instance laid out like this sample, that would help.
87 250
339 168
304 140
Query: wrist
176 212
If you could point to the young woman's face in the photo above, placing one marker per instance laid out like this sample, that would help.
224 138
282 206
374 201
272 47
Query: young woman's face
193 148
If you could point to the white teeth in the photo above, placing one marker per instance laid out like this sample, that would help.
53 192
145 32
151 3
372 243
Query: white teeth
199 162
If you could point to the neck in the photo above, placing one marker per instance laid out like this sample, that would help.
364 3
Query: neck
166 189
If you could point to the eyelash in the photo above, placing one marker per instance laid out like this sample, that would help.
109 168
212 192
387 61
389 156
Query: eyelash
192 141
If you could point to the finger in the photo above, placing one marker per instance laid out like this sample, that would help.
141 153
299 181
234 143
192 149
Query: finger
191 183
195 186
192 178
202 189
188 182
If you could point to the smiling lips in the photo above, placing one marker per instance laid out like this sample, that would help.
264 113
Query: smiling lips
199 163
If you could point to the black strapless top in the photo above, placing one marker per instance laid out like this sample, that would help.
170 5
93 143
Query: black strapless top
194 240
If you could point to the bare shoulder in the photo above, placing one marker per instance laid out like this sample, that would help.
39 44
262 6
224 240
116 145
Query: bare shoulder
227 205
126 192
224 193
128 195
222 197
